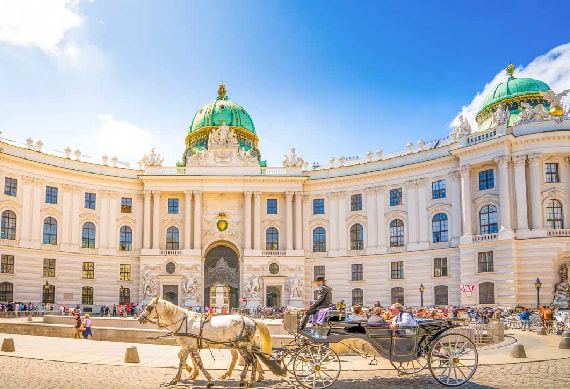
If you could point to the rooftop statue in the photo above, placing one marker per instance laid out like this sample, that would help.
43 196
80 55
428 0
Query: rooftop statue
529 113
501 115
222 136
462 130
152 159
294 160
555 100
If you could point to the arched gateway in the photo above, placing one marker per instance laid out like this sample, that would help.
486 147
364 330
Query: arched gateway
221 278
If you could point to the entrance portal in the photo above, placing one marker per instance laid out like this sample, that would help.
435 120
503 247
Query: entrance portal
170 293
221 278
273 296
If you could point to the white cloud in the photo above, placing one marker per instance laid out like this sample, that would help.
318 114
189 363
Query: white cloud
118 138
552 68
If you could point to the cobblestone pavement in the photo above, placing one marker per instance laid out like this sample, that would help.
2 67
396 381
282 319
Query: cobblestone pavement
31 373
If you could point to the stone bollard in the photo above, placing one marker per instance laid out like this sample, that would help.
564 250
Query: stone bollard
30 318
541 331
8 345
565 341
132 355
518 351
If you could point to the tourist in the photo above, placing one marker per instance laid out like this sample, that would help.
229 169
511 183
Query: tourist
357 313
87 325
102 311
401 318
376 317
525 317
114 310
77 326
106 310
62 309
324 300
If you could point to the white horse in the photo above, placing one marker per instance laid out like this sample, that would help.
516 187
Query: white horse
234 331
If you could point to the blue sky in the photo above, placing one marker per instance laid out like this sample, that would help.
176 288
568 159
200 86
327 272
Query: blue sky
330 78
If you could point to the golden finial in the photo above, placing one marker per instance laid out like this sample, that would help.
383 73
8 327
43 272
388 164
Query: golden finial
222 91
510 69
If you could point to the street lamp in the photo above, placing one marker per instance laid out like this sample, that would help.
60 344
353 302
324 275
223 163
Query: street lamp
422 295
537 285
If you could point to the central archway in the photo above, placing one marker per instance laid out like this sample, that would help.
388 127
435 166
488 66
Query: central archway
221 277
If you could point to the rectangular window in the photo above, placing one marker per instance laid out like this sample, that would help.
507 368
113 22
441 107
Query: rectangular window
485 261
6 291
49 267
356 202
88 270
319 271
272 206
87 295
126 204
10 186
395 197
51 195
173 206
357 272
397 270
318 206
552 172
438 189
7 264
486 179
440 267
48 295
89 200
125 272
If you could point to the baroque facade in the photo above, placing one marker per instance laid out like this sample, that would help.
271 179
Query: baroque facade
485 211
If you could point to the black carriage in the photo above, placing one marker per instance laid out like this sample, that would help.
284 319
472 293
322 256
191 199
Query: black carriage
436 344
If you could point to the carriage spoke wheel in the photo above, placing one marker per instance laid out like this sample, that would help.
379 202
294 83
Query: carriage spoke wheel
452 359
316 366
410 367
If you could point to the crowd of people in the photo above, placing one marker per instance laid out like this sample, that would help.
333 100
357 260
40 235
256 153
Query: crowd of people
23 308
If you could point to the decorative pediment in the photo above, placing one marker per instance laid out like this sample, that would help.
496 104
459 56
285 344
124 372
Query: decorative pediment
172 222
272 223
51 211
356 219
318 222
396 214
487 198
439 207
554 193
10 204
126 220
89 216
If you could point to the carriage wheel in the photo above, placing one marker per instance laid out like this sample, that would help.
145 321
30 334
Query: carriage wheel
316 366
410 367
516 324
452 359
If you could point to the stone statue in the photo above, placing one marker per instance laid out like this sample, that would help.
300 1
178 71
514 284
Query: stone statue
222 136
501 115
464 127
562 289
190 287
252 287
152 159
295 288
149 286
528 113
294 160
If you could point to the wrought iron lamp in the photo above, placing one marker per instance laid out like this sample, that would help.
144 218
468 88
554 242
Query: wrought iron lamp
537 285
422 294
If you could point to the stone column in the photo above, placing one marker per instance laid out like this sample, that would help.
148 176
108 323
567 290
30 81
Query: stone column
75 233
289 220
342 231
520 192
26 222
466 202
155 220
146 220
66 209
380 205
372 240
104 224
455 207
139 220
37 221
298 221
197 219
422 214
247 220
412 198
535 186
307 233
333 209
257 221
113 207
504 192
187 219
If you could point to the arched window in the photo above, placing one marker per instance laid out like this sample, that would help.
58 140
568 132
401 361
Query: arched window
125 238
50 231
48 294
357 296
319 240
88 236
397 295
396 233
488 220
486 293
172 239
554 218
87 295
271 239
441 295
439 228
8 225
6 292
356 237
124 296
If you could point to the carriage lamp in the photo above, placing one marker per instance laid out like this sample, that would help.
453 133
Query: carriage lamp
422 295
537 285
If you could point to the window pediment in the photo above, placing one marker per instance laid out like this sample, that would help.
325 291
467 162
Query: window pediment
487 198
356 219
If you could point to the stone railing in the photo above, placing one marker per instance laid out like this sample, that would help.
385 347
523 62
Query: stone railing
216 170
273 171
318 253
485 237
439 245
9 242
170 252
397 249
50 247
560 232
87 250
273 253
356 252
481 136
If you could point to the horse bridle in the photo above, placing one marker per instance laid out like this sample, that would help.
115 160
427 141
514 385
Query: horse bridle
147 311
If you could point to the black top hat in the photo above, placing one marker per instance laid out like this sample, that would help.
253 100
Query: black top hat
322 279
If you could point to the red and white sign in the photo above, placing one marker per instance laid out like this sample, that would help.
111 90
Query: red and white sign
467 288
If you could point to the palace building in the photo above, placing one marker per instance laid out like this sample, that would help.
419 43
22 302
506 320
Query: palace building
485 210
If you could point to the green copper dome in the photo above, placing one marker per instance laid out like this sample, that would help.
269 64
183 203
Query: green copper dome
222 110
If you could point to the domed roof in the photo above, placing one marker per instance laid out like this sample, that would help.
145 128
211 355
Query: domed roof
513 88
222 110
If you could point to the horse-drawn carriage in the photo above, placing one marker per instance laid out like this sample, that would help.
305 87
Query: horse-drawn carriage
451 357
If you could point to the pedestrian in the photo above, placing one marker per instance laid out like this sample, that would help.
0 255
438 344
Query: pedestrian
106 310
87 326
62 309
114 310
77 327
525 317
102 311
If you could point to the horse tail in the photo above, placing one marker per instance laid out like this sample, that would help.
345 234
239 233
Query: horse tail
265 341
